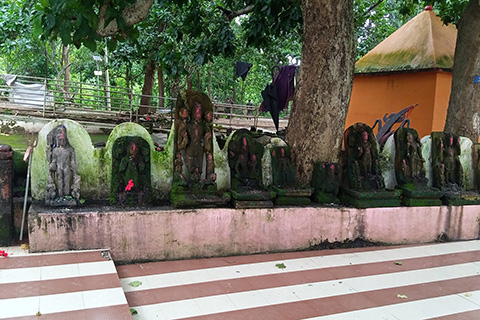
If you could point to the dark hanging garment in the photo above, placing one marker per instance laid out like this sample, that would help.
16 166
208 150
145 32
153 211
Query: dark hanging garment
242 68
270 103
277 94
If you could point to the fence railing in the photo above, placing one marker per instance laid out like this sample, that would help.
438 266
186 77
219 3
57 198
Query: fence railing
53 97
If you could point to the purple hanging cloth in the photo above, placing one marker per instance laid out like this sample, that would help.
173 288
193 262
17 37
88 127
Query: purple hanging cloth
277 94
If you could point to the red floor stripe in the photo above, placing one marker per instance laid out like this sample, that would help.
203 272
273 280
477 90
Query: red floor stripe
45 287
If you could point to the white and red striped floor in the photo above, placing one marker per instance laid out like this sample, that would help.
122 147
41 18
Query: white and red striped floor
436 281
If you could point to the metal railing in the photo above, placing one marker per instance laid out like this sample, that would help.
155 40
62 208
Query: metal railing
52 98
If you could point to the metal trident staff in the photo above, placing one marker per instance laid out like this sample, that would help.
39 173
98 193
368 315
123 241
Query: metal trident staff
31 143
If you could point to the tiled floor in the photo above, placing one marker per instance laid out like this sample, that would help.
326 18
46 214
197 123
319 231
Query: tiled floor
67 285
437 281
409 282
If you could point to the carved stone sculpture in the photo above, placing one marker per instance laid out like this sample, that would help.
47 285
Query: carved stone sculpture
63 183
447 170
363 185
130 183
194 165
410 170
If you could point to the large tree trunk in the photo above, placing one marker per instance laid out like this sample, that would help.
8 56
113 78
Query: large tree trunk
463 116
315 130
147 88
161 88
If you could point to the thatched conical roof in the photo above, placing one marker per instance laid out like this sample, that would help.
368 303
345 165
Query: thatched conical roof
422 43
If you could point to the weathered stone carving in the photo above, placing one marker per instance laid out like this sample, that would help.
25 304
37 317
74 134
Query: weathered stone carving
63 182
244 159
131 180
194 166
410 171
363 184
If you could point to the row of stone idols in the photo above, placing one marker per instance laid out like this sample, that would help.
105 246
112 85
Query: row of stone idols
260 171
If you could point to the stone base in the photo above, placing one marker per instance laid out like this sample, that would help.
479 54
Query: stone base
460 198
253 195
321 197
292 201
420 196
292 196
192 200
370 199
252 204
61 202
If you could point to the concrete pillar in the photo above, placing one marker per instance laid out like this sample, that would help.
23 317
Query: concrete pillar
6 195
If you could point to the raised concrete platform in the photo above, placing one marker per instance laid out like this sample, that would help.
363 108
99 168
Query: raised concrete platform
166 233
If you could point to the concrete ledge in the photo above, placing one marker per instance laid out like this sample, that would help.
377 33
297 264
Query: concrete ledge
167 233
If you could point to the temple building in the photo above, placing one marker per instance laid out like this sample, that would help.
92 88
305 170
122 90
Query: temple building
412 66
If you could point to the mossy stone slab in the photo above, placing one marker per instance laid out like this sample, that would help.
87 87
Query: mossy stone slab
191 200
253 195
292 192
461 198
292 201
321 197
252 204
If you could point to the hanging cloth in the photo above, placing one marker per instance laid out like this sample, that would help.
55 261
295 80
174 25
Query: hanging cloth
277 94
241 69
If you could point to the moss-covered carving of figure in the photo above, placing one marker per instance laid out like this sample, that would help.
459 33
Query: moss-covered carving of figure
63 182
284 179
362 152
410 170
131 182
244 159
447 170
326 182
194 167
409 163
363 185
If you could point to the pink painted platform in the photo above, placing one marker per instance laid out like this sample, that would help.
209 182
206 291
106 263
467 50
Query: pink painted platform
166 233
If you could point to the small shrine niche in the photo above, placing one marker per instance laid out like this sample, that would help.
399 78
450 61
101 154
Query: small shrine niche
363 185
326 182
63 182
244 159
194 166
410 170
284 179
131 179
448 171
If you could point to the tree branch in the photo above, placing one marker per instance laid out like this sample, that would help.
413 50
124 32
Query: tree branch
230 15
133 14
371 8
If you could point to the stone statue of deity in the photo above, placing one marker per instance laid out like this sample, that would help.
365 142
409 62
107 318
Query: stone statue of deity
244 155
130 184
409 163
63 182
361 149
447 170
283 168
194 164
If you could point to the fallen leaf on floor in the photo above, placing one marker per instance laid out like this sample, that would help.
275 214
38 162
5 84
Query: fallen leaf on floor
38 314
24 246
399 263
135 283
402 296
133 311
468 294
280 266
